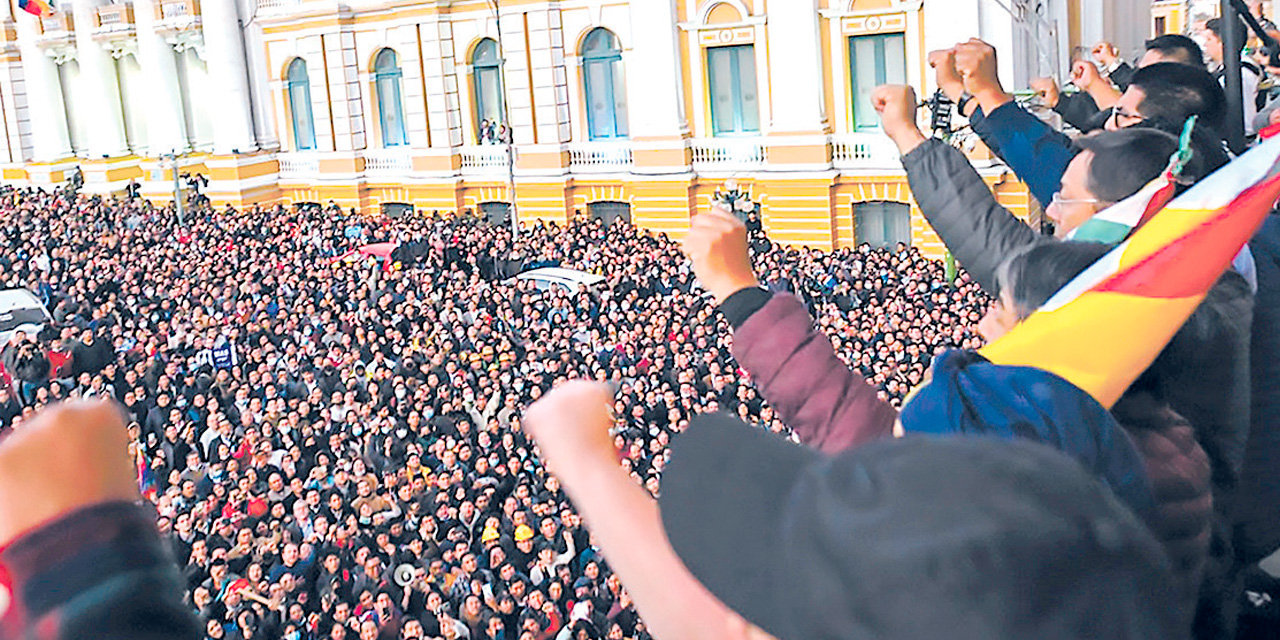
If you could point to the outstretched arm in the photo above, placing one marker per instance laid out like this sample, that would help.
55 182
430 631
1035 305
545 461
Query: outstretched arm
952 196
794 365
571 426
83 556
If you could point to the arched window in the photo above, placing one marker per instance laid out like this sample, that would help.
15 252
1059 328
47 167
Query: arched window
299 87
386 73
605 85
486 65
882 224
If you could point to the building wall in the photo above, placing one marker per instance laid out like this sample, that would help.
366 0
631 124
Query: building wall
807 165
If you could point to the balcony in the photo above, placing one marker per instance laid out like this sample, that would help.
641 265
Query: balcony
600 157
728 154
178 10
864 151
58 23
388 162
484 160
298 165
114 17
58 36
113 26
278 6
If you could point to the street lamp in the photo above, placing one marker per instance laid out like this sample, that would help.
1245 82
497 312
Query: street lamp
177 187
506 119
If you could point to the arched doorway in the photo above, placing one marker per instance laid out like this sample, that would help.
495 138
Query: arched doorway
609 212
495 213
396 210
882 224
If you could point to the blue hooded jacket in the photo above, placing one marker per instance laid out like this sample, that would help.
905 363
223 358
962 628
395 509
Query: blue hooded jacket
971 396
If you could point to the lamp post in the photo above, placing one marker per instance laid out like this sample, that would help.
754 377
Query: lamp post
506 119
177 187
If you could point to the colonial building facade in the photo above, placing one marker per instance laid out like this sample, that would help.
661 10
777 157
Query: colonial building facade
641 108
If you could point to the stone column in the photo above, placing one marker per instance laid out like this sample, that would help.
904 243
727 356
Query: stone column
50 139
228 72
103 113
166 128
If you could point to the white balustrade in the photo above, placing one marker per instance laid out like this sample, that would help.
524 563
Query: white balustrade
297 165
388 162
278 5
864 151
484 160
721 154
600 157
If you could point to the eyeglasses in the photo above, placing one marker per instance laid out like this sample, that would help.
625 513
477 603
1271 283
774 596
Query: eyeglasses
1061 201
1129 118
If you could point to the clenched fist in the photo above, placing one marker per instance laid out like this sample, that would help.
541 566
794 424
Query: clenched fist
897 107
71 456
977 64
571 426
949 79
1085 74
717 246
1048 91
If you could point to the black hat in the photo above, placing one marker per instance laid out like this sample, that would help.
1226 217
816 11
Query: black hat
955 537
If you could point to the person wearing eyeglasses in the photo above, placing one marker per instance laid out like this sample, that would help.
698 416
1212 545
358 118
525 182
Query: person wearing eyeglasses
1160 95
1108 167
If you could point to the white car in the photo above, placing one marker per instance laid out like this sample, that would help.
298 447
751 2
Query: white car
569 280
21 310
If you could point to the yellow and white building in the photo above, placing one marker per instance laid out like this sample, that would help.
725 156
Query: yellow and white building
635 107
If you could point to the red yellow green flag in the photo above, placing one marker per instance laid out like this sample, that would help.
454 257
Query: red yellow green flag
1107 326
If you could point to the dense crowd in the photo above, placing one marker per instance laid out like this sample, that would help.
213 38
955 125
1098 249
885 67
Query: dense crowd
335 444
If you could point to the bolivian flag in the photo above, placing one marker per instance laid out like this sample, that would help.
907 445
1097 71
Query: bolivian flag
1107 326
40 8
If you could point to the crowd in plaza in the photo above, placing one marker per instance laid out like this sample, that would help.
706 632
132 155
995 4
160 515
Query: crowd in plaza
726 437
314 423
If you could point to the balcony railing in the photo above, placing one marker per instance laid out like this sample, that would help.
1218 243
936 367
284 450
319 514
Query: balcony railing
278 5
115 17
729 154
298 165
600 157
167 10
864 151
484 160
57 24
397 162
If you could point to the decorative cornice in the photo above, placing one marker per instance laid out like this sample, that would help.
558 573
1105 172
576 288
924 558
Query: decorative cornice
121 47
187 40
60 52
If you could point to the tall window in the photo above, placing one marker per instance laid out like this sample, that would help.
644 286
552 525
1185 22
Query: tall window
304 128
606 89
882 224
486 66
386 74
873 61
735 105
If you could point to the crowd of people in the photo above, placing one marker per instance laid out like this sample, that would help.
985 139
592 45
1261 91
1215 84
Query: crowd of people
343 445
311 425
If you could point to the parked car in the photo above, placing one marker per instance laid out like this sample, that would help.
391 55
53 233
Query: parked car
547 278
21 310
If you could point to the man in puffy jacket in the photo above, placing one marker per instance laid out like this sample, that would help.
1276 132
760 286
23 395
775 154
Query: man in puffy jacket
1209 380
